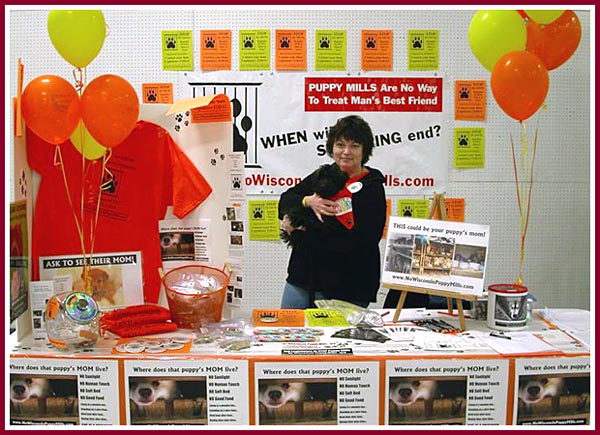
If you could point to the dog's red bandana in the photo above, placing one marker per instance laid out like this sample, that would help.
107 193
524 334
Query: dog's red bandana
344 200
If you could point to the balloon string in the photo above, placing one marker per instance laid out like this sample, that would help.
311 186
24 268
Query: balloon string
516 171
528 209
512 146
80 76
58 161
104 185
87 283
524 207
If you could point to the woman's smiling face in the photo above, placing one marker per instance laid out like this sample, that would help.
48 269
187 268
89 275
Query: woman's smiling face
348 154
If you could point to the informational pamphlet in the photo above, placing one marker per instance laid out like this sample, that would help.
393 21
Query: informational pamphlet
39 292
184 241
19 259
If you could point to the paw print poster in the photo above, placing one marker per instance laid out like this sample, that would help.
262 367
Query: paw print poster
376 50
423 50
177 50
215 50
469 148
157 93
330 50
263 220
415 208
469 100
255 50
290 50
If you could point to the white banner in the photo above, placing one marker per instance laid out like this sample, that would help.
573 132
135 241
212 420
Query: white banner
280 121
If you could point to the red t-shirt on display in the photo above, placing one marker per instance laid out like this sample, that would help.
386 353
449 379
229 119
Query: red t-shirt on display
149 172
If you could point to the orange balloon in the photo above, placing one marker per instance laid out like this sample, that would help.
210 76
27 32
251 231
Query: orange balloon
520 84
556 42
51 108
110 109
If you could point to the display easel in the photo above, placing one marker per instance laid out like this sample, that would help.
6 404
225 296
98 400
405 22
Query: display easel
438 205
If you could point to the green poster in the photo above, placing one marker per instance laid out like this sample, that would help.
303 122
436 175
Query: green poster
330 50
469 147
255 50
423 50
416 208
263 220
177 50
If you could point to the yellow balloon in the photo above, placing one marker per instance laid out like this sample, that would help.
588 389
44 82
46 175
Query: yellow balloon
544 17
85 143
78 36
492 34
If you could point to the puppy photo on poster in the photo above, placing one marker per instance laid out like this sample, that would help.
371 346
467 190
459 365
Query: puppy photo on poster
36 398
176 400
553 398
297 401
427 400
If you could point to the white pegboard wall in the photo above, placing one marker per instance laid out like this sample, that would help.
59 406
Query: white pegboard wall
557 266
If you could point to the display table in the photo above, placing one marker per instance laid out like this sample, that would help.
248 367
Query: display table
538 376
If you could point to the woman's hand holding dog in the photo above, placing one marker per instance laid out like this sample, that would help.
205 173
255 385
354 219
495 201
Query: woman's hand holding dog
321 206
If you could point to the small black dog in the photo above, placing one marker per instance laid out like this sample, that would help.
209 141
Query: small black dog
330 179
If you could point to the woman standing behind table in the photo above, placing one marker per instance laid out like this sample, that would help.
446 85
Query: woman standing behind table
339 260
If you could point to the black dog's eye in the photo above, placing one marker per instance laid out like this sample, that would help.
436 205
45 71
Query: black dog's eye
544 381
29 381
285 385
155 383
416 383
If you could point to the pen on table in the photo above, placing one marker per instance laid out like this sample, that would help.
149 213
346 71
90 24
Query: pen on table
500 335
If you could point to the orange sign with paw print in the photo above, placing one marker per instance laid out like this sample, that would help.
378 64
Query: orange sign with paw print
469 100
290 50
157 93
215 50
376 50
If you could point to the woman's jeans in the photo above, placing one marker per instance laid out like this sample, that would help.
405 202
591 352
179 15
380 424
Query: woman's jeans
295 297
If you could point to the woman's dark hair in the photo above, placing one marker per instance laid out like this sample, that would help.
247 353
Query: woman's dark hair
354 128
